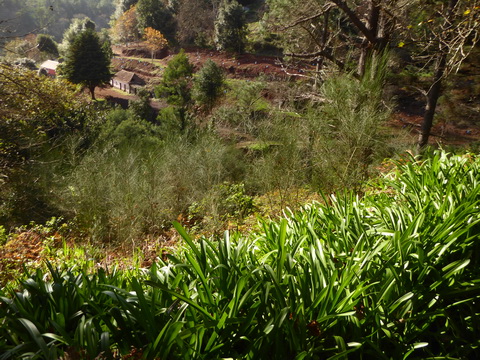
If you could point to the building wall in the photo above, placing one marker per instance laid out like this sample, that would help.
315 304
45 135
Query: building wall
121 85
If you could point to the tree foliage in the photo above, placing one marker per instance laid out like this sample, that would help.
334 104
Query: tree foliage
125 28
440 32
36 113
208 84
175 86
122 7
440 36
195 22
52 17
175 80
155 40
140 107
230 31
86 62
76 27
154 14
47 45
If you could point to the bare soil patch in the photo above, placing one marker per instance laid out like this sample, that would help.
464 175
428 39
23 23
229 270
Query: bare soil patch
249 66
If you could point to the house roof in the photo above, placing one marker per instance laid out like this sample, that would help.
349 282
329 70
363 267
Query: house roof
125 76
50 64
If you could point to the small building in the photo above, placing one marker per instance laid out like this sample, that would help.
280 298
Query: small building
49 68
127 81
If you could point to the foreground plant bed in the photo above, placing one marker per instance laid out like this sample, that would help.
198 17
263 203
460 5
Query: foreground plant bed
392 275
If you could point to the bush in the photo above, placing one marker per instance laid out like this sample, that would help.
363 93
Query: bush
344 137
175 84
208 84
140 108
224 202
126 192
125 128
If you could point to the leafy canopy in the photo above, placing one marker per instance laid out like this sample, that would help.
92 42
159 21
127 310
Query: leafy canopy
154 14
230 31
208 84
154 39
175 80
86 63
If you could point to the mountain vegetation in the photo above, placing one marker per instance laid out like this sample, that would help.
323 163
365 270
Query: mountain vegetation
279 180
85 62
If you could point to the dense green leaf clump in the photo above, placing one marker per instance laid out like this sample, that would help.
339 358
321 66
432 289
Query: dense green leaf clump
86 63
175 80
208 84
392 275
230 27
36 117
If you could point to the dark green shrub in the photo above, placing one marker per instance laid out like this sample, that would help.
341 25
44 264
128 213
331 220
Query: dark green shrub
47 45
176 78
230 27
208 84
140 108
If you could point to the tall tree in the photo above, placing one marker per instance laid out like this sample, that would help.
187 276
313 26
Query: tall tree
195 20
86 63
441 32
175 86
208 84
155 14
155 40
444 37
76 27
335 30
176 80
126 28
230 27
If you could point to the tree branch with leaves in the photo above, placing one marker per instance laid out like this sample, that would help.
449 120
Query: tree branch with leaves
154 40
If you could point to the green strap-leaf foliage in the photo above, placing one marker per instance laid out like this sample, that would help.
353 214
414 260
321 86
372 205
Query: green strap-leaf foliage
394 274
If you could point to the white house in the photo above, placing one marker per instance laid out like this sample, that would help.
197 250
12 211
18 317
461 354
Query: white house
127 81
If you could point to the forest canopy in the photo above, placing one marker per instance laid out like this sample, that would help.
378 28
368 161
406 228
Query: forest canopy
52 17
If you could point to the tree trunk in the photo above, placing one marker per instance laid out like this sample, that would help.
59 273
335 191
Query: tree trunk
92 91
432 98
435 90
368 45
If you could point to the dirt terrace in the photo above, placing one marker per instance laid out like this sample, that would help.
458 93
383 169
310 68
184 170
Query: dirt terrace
236 66
249 66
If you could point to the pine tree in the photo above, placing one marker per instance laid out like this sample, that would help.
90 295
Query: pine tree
230 32
86 62
175 86
175 80
208 84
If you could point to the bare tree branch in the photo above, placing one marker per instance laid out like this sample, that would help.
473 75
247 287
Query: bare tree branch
326 8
